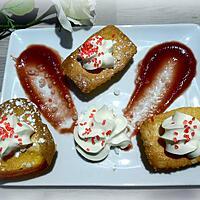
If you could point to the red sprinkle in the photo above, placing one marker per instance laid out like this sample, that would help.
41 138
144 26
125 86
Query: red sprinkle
175 133
4 118
195 126
19 124
190 122
108 132
193 118
104 122
193 134
176 146
87 149
88 130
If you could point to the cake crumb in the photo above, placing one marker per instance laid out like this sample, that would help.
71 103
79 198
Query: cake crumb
116 92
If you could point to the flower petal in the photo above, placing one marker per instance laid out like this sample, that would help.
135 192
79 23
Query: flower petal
61 16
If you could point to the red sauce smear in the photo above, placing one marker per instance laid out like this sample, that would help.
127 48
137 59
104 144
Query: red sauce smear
165 73
40 74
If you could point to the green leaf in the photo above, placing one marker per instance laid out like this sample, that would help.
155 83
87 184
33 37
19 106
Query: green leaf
19 7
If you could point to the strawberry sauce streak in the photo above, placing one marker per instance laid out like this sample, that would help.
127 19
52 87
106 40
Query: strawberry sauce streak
39 72
165 73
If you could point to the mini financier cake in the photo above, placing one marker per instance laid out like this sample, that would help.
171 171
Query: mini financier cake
102 55
26 144
171 140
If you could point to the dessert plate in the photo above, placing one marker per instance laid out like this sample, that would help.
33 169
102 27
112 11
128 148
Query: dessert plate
119 168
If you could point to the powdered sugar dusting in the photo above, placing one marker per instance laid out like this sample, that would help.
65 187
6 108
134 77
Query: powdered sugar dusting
153 95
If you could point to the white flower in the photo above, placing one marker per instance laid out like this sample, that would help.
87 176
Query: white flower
79 12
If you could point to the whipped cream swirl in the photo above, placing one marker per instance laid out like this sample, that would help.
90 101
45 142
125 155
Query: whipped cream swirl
96 53
14 134
182 135
98 130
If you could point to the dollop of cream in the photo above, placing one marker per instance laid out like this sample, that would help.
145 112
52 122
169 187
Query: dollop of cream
96 53
182 135
98 130
14 134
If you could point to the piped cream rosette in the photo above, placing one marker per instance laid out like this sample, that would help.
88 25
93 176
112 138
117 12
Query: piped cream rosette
98 130
182 135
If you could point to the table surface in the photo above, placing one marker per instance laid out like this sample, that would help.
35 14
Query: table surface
118 12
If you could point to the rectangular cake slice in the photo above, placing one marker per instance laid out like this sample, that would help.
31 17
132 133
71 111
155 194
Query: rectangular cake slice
87 80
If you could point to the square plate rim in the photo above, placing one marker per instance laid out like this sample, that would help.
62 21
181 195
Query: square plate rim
97 185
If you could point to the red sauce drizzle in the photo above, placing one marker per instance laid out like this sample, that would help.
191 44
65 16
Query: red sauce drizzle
165 73
40 74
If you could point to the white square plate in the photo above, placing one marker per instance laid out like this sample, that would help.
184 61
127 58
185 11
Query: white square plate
127 168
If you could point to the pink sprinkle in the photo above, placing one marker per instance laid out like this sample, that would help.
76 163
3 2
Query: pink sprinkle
175 140
102 143
108 132
93 140
186 130
98 138
91 115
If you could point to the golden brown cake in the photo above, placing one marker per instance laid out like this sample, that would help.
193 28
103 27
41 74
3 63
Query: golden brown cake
29 159
123 51
154 146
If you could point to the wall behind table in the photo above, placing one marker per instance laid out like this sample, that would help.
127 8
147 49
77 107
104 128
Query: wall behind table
147 11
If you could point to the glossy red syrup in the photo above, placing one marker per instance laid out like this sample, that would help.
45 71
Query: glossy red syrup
164 74
39 72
